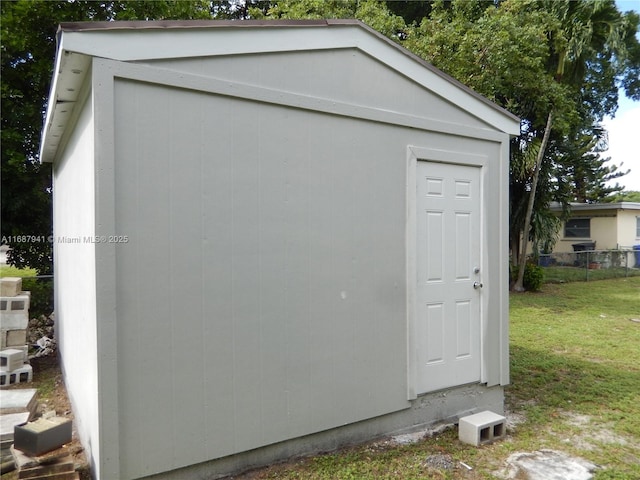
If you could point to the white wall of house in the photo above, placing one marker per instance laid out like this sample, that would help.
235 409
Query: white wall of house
75 275
611 226
628 227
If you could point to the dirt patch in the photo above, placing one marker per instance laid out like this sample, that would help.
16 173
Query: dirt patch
52 396
591 433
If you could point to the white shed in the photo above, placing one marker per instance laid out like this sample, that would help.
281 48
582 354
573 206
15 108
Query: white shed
271 238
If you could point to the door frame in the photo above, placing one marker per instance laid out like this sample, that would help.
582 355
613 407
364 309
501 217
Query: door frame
414 155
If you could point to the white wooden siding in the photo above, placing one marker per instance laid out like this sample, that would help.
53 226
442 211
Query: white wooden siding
75 274
256 277
342 75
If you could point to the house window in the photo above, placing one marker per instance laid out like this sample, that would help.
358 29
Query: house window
637 227
577 228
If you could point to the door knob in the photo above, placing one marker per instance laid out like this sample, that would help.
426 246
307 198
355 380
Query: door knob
477 285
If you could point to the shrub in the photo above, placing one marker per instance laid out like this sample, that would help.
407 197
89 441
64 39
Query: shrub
533 277
41 295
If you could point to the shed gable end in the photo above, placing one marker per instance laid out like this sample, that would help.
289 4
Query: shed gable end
346 75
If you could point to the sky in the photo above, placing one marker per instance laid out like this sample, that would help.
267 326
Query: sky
624 128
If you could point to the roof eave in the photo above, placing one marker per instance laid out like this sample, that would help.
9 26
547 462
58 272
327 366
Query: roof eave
582 207
72 63
69 75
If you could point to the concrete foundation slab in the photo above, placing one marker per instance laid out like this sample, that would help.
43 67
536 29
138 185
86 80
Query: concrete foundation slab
442 407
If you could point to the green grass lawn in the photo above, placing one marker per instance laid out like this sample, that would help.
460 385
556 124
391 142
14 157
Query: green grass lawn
575 374
575 359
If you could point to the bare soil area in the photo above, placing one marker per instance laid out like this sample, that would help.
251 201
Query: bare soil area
52 396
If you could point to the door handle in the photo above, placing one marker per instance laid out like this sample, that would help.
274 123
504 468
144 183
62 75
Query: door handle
477 285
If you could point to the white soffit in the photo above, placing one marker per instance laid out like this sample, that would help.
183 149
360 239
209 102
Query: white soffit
134 41
70 71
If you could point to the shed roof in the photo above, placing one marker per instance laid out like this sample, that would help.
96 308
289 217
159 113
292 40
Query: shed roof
130 41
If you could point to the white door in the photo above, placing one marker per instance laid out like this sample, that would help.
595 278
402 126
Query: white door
449 288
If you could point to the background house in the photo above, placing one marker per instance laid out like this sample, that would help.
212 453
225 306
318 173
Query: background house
609 225
272 238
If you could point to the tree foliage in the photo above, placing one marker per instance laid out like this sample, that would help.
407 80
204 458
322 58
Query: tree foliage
630 196
28 52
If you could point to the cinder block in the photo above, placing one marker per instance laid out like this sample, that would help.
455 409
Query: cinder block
14 321
16 303
43 435
482 428
14 312
11 359
16 338
23 374
10 286
25 349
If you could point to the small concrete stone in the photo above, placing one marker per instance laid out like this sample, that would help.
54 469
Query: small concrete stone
549 465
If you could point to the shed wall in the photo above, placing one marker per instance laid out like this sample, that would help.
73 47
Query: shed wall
344 75
264 273
75 274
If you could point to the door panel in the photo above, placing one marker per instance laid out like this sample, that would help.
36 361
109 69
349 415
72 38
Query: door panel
448 254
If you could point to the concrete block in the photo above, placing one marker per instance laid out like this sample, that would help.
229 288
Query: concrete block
482 428
14 312
14 321
43 435
11 359
23 374
17 303
25 349
16 338
10 286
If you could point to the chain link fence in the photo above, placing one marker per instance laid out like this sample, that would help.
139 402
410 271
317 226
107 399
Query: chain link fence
589 265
